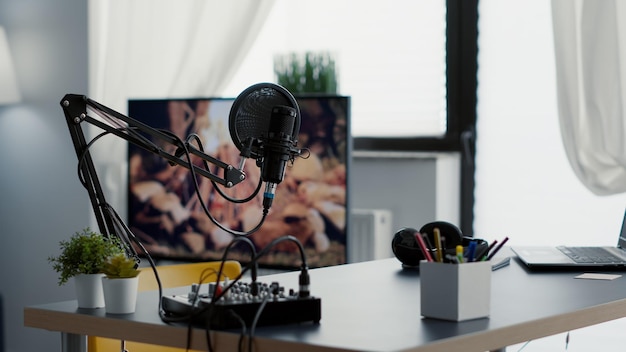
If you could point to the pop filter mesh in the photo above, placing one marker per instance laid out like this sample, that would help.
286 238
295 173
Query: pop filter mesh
251 111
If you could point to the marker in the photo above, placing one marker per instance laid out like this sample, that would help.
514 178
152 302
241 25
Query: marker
439 252
497 248
471 251
459 253
484 257
425 251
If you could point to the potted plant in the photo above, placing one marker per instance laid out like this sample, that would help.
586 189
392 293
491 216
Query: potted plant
120 284
308 72
81 258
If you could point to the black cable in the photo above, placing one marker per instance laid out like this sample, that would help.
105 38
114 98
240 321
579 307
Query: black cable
189 318
122 228
123 233
278 240
252 264
83 156
263 252
215 185
254 261
217 294
204 275
308 153
243 330
145 253
187 154
255 321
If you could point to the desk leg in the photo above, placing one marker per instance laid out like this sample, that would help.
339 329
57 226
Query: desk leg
73 342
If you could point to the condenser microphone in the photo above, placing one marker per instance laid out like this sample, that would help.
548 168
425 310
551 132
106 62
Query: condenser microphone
277 144
277 149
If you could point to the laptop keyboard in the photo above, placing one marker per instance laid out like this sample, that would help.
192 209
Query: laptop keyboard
590 255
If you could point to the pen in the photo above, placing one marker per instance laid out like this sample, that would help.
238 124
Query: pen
471 251
504 262
459 253
483 255
429 245
425 251
439 252
497 248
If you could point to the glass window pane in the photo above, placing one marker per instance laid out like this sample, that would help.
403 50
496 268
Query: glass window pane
390 59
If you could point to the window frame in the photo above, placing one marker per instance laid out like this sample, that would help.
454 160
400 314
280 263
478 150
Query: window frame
461 99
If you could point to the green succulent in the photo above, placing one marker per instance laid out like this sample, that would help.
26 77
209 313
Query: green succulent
84 253
120 266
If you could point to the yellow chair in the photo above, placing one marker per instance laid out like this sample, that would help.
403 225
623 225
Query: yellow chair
175 275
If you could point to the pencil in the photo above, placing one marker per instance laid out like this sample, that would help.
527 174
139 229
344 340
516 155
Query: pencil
439 253
425 251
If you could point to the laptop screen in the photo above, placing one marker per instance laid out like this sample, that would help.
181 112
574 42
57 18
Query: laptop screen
622 235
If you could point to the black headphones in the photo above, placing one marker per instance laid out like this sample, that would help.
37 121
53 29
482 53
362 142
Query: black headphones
407 250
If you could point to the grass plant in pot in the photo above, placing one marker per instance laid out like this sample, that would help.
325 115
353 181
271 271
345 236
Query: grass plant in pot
81 258
120 284
307 72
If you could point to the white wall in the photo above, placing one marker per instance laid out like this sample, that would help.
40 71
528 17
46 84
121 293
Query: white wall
42 201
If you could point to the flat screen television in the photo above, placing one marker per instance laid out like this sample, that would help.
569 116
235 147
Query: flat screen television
311 202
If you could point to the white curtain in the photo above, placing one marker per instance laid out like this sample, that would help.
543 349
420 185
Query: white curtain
162 49
590 51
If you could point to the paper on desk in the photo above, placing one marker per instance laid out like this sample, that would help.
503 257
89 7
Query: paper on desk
595 276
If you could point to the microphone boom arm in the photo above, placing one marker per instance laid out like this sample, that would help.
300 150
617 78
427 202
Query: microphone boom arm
75 107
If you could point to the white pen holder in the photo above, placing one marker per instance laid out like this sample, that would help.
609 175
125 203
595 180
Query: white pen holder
455 292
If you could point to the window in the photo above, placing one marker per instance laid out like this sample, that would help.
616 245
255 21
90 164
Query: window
413 83
391 59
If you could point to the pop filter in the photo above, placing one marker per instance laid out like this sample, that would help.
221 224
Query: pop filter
249 118
264 123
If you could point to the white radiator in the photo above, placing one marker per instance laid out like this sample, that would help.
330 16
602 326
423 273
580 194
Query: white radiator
369 235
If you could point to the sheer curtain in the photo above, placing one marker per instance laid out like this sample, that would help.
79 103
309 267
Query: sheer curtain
590 50
162 49
525 185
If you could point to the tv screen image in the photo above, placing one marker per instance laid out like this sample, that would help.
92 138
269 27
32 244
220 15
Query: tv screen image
311 203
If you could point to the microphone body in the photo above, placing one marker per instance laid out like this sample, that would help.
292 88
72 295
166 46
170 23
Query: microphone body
277 149
277 144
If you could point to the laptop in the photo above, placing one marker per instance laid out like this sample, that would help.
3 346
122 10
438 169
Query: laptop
576 258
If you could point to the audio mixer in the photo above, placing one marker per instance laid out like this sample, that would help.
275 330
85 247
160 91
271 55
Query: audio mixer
241 303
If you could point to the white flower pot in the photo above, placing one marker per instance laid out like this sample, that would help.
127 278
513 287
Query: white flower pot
120 295
89 290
